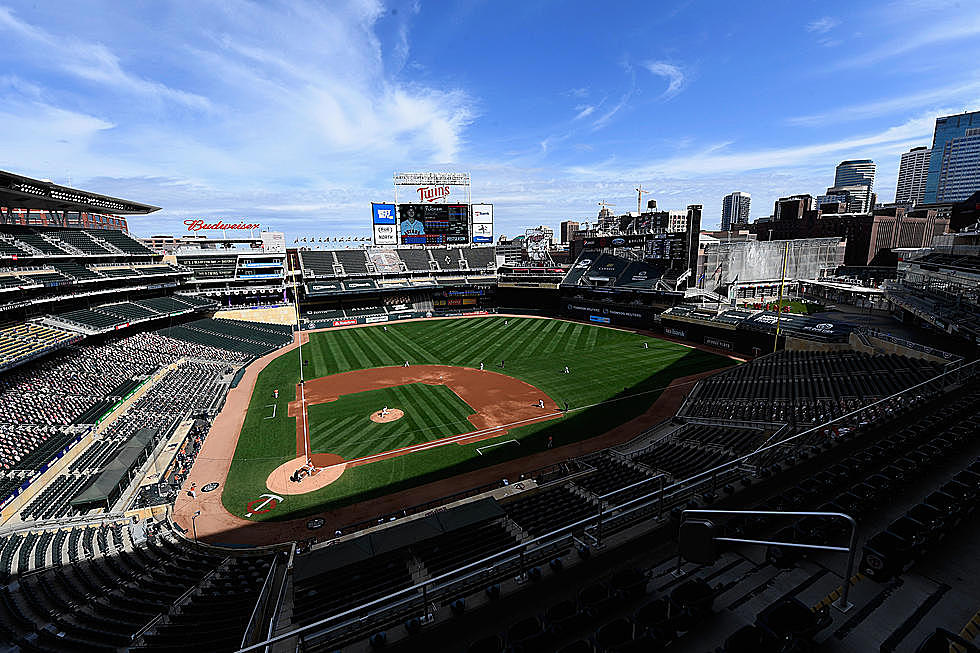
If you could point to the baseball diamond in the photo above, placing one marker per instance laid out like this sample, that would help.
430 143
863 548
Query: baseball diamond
351 372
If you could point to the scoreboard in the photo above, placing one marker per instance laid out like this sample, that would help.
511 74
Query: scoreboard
433 224
670 246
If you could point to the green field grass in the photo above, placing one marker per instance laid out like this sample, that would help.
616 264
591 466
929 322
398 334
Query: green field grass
431 412
613 379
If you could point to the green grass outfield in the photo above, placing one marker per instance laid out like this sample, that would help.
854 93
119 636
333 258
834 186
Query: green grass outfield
608 367
431 412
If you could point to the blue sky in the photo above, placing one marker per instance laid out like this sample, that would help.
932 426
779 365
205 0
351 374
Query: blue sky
296 115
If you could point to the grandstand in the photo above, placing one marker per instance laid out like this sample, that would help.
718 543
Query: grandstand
113 369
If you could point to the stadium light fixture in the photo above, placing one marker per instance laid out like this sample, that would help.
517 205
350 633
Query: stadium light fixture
194 523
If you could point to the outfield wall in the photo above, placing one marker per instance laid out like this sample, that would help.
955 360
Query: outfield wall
381 319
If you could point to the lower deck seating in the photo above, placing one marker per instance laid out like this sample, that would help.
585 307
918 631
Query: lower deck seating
546 510
349 586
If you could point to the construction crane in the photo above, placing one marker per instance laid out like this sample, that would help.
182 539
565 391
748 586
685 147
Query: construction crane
604 205
639 196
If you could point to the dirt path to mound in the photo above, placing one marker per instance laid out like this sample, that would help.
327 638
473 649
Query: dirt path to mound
216 525
499 400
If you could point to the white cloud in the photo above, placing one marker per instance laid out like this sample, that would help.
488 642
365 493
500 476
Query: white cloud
822 25
923 34
888 106
584 110
91 61
673 74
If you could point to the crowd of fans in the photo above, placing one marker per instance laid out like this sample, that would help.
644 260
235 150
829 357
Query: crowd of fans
43 401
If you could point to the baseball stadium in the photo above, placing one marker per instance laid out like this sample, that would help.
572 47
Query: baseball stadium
428 441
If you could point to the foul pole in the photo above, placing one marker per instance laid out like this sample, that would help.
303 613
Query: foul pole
302 378
779 306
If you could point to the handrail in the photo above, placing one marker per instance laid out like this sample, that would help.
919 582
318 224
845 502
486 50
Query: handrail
260 599
448 578
80 520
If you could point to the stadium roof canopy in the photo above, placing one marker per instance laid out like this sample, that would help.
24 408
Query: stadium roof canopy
20 192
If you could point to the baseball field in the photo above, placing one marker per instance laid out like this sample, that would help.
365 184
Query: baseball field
445 415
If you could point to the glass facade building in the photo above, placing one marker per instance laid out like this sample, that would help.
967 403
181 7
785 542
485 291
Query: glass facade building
948 129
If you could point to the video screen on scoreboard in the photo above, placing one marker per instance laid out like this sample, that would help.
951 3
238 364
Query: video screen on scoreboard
672 246
433 224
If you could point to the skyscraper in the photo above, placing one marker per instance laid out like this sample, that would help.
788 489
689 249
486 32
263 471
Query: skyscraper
735 209
950 128
568 229
912 173
857 172
959 176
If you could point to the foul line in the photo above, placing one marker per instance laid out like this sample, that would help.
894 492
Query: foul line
479 450
273 415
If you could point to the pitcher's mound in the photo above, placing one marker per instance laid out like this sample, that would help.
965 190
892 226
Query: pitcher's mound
329 469
393 414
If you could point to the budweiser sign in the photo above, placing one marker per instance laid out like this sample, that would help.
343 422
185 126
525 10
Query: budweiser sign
432 193
201 225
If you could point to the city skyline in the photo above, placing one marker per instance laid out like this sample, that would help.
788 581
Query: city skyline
302 131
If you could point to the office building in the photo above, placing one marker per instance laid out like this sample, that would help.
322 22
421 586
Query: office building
868 235
852 199
792 207
568 229
912 172
950 128
735 209
856 172
959 175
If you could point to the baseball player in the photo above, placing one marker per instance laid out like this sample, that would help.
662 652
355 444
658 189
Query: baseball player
384 412
406 363
646 345
540 403
481 367
385 328
566 370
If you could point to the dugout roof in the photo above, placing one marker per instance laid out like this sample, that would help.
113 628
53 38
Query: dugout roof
20 192
108 484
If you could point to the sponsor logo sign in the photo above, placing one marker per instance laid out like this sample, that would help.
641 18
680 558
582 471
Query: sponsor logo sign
345 322
483 223
599 318
201 225
210 487
715 342
385 234
382 213
677 333
375 318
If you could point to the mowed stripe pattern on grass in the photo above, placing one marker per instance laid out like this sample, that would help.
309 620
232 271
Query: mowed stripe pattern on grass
343 427
602 361
608 367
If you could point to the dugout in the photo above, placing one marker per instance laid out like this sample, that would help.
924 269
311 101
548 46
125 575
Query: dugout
108 485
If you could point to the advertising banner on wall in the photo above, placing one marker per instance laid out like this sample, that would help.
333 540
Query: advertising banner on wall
483 223
383 221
